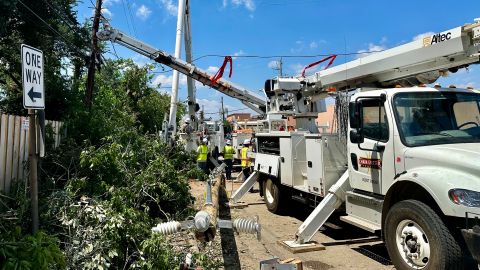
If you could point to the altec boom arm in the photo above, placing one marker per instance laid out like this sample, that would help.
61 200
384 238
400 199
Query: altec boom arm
225 87
420 61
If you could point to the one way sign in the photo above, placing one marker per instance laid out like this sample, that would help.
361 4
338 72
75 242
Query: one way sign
32 75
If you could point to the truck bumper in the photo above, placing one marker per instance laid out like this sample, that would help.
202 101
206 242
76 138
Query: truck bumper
472 239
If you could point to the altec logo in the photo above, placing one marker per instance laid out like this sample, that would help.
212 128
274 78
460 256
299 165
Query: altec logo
437 38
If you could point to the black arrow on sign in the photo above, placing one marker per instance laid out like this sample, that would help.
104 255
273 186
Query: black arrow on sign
34 95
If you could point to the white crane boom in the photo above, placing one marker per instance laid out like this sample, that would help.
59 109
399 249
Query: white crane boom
183 67
420 61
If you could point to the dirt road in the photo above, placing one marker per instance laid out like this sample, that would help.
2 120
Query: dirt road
347 247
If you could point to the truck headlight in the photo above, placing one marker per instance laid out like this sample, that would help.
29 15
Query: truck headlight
465 197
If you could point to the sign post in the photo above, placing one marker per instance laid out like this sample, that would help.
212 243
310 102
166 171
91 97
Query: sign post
33 99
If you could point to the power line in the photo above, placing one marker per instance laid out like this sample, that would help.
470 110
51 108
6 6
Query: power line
126 17
53 30
131 17
286 56
64 19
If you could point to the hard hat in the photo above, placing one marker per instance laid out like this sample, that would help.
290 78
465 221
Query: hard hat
247 141
205 140
229 142
187 120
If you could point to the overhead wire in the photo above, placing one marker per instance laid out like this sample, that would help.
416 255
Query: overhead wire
287 56
126 17
75 48
62 17
131 18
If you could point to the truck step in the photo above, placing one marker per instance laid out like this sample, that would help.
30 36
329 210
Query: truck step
368 226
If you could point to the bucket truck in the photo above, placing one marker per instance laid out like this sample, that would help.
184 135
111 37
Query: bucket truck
404 160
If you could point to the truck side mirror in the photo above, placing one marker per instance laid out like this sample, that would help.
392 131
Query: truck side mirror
356 136
354 115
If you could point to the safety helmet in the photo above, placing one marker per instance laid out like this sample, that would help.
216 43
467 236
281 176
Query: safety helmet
187 120
247 141
205 140
229 142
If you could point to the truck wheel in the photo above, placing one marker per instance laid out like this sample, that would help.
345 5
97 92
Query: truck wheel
273 196
416 238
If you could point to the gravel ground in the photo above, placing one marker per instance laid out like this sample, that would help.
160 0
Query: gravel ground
347 247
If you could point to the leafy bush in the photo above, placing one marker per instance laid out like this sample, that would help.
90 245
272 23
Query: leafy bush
111 181
41 251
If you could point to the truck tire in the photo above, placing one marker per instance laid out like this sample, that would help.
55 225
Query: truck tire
274 196
416 238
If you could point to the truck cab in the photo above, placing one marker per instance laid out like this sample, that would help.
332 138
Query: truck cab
414 170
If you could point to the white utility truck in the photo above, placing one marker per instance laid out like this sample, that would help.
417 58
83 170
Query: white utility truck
405 159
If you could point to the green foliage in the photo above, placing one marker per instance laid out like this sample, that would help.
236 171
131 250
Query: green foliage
113 179
40 251
18 25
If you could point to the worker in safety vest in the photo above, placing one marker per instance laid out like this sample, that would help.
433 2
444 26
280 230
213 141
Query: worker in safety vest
202 152
228 152
246 163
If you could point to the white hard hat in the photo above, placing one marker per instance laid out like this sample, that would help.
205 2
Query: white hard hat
229 142
187 120
247 141
205 140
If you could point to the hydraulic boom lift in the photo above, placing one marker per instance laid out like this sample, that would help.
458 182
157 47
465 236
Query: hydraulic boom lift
405 160
254 102
399 160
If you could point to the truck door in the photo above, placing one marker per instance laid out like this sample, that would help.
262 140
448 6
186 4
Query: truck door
367 160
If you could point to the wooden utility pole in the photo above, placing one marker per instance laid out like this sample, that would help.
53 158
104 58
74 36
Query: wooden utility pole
93 55
33 160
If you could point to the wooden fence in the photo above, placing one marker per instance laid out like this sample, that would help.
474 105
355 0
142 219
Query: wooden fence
14 140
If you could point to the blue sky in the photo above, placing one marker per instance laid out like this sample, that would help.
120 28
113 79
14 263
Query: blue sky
281 27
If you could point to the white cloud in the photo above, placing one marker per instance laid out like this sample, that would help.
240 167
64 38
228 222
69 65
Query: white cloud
248 4
299 46
106 12
426 34
170 7
273 64
297 68
108 3
214 106
313 45
163 80
372 48
143 12
212 69
239 53
141 60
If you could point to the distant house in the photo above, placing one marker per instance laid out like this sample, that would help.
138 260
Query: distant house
237 117
325 120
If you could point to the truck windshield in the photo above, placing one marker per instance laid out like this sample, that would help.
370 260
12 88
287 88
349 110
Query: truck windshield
426 118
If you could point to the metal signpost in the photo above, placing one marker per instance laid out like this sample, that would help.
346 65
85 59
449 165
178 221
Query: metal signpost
33 99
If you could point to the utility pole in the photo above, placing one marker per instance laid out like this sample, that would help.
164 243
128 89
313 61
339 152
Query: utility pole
223 113
279 67
33 161
172 123
93 55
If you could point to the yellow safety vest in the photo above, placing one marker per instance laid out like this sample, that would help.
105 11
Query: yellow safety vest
202 151
228 152
245 159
